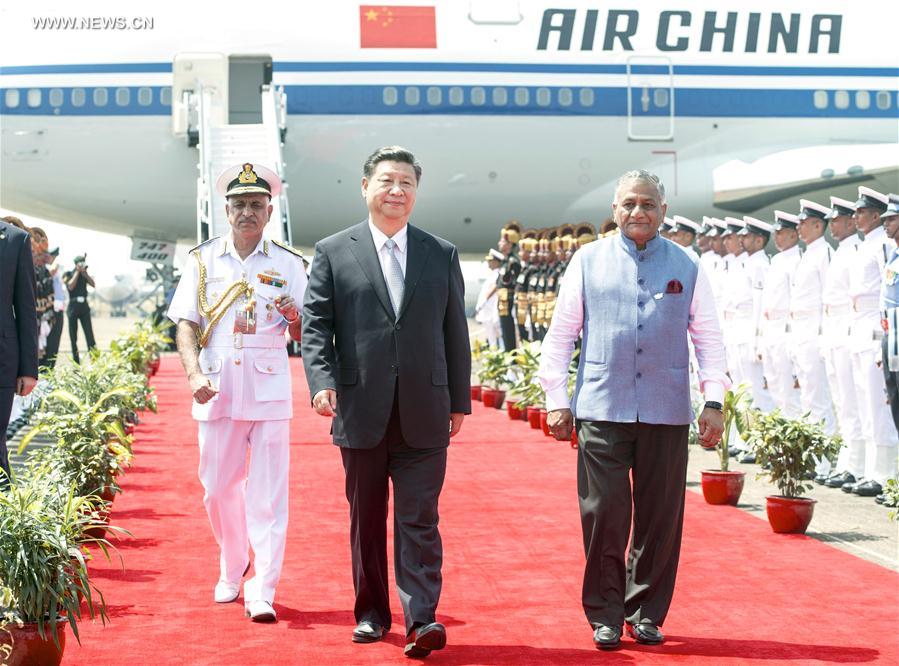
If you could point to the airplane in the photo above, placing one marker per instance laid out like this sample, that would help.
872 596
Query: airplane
527 110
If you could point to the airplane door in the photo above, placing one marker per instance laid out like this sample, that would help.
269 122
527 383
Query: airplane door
246 76
650 98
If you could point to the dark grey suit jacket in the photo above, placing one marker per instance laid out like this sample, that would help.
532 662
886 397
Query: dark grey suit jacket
353 343
18 317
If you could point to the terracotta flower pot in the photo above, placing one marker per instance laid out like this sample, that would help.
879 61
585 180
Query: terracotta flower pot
476 392
29 648
498 398
487 396
533 414
722 487
790 515
523 413
543 424
512 410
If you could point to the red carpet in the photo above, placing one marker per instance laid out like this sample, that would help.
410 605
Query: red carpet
513 561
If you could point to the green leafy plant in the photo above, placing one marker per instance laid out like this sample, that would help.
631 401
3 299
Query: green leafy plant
789 449
891 497
42 566
525 361
141 344
734 408
495 369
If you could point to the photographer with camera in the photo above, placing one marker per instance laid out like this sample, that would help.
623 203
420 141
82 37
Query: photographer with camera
77 281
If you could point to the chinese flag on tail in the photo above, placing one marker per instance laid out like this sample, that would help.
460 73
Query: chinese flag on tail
393 27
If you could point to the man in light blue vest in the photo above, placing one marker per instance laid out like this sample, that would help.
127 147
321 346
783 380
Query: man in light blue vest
634 297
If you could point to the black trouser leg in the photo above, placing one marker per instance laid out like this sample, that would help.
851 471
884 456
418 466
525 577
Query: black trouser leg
660 475
507 326
367 493
73 333
417 549
53 340
892 382
523 333
6 397
605 454
88 327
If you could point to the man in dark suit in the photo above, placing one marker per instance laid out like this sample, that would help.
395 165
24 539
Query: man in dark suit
18 327
386 352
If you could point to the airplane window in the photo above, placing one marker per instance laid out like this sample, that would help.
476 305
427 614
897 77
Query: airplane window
34 98
165 96
435 96
522 96
500 97
456 96
78 96
412 96
391 97
478 96
12 98
122 96
862 99
101 96
660 97
883 100
585 96
565 97
543 97
820 99
841 99
56 97
144 96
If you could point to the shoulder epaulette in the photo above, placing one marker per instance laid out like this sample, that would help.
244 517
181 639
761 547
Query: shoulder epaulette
292 250
205 242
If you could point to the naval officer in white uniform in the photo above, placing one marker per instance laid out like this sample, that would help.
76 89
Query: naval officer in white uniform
237 297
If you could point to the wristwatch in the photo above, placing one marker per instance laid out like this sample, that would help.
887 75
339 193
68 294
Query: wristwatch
711 404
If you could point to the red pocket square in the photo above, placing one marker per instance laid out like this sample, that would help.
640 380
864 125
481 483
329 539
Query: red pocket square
674 287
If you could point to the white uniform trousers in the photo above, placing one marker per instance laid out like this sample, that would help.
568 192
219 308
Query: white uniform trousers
751 372
777 364
838 363
874 412
814 394
247 506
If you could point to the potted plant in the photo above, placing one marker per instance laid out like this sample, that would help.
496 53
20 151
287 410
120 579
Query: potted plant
724 486
42 569
788 450
478 347
494 377
527 390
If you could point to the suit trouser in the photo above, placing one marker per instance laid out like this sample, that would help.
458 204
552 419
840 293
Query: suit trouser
892 383
80 312
247 507
6 396
607 455
417 476
507 326
53 339
877 425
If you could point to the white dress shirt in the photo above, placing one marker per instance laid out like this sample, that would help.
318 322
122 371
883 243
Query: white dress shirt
400 238
808 280
776 293
568 320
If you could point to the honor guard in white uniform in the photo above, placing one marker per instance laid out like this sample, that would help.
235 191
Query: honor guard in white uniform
713 260
666 228
865 332
736 301
238 295
834 341
889 305
755 235
684 234
806 312
774 339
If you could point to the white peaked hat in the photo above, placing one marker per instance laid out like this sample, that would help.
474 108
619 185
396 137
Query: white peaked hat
248 178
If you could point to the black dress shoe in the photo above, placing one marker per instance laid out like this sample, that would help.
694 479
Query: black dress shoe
837 480
821 479
646 633
368 632
849 486
748 458
606 637
868 489
881 498
425 638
